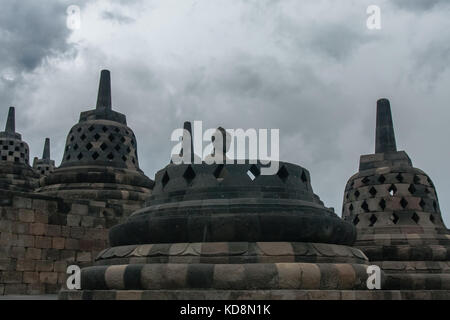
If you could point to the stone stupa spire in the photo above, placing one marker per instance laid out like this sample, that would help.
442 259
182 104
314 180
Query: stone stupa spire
104 91
385 137
11 122
46 153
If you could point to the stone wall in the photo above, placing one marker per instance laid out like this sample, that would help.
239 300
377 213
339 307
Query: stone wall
40 236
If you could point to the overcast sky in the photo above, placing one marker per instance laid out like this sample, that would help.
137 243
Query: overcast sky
310 68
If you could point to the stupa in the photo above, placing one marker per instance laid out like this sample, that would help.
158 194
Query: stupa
100 159
395 209
44 166
15 171
225 231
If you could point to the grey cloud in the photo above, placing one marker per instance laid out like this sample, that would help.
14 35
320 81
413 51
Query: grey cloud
116 16
419 5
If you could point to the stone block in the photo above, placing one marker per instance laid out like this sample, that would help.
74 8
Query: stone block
60 266
33 254
38 229
72 244
48 277
41 217
84 256
30 277
20 227
58 243
43 242
44 265
79 209
11 277
25 203
25 265
26 215
73 220
53 230
17 253
76 232
87 221
15 289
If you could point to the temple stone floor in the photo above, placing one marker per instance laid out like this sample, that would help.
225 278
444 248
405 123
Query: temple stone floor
30 297
256 295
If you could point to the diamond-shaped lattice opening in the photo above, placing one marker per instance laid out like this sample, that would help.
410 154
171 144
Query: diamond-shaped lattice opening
132 160
356 220
416 179
412 189
352 183
117 130
75 147
394 218
435 206
128 150
403 203
89 146
432 218
91 128
95 155
372 219
427 190
399 177
392 189
365 180
111 138
104 128
373 191
110 156
124 158
365 206
347 195
67 158
422 204
103 146
132 142
253 172
304 177
79 129
72 138
283 174
382 204
83 137
122 140
117 147
80 156
4 158
351 207
96 136
415 217
356 194
189 175
430 182
219 172
165 179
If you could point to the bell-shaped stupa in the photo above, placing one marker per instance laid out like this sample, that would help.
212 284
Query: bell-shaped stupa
227 231
100 159
395 209
15 171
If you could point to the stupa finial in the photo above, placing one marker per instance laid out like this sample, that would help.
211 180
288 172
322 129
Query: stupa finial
104 90
11 122
46 153
385 137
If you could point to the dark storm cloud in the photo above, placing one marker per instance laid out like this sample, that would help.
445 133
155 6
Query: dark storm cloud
30 31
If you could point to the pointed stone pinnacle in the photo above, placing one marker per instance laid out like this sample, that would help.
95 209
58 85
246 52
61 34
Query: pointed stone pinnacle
188 147
46 154
11 122
104 91
385 137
